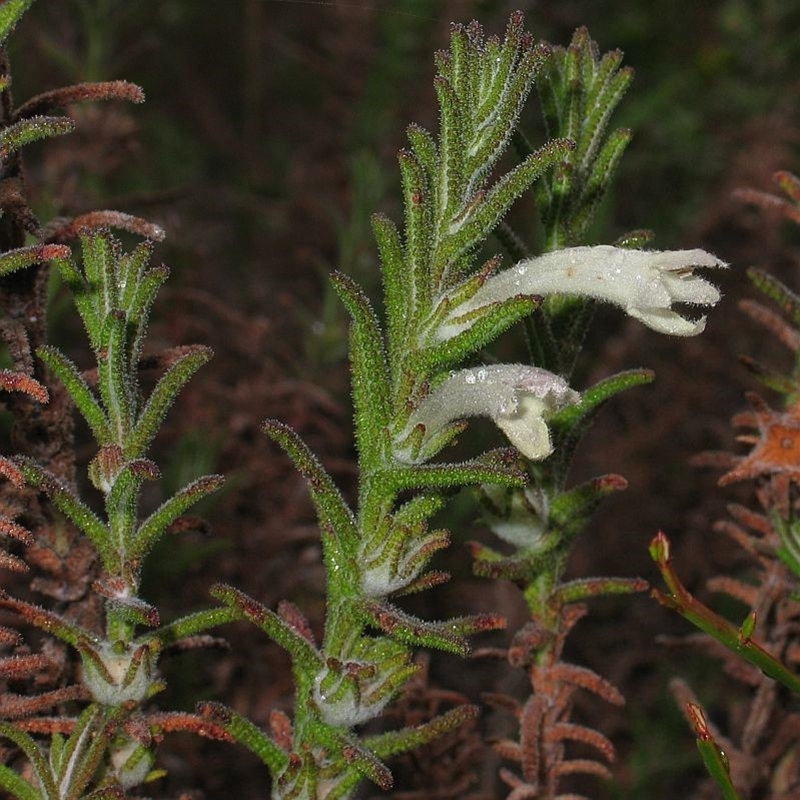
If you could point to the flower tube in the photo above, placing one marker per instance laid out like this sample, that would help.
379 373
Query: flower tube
644 283
516 397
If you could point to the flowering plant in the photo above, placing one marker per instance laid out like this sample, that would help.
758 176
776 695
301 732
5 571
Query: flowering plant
420 371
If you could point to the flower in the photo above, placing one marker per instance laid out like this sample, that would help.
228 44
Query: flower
516 397
645 283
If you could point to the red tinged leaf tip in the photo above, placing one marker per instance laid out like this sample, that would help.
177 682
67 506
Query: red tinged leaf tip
660 549
698 720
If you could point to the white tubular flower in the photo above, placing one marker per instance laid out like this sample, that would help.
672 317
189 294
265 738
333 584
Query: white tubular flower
515 396
645 283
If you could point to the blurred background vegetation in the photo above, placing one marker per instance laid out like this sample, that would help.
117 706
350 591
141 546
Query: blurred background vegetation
268 138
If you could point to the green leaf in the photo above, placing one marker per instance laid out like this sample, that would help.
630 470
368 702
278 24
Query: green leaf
85 298
481 220
72 507
83 753
370 371
247 734
140 303
392 743
424 148
396 280
43 619
17 786
22 257
523 567
448 635
354 754
772 379
33 129
500 467
580 91
192 625
418 230
151 530
593 397
571 510
584 588
329 503
303 652
491 321
36 758
115 381
452 178
79 391
162 398
11 12
716 763
100 254
122 501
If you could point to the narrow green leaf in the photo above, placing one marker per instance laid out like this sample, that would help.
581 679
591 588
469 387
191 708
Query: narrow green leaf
448 635
37 760
490 322
496 467
571 510
450 191
140 302
17 786
115 381
598 179
714 759
386 745
100 254
354 754
79 391
418 509
22 257
478 225
84 751
11 12
85 298
424 148
151 530
772 379
247 734
303 652
122 501
132 611
593 397
45 620
33 129
504 113
131 267
396 283
72 507
57 743
192 625
371 380
716 764
418 229
162 398
329 503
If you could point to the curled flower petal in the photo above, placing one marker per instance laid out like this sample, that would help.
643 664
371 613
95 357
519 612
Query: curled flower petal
645 283
516 397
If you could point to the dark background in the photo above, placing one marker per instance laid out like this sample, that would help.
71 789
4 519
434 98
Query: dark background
267 140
